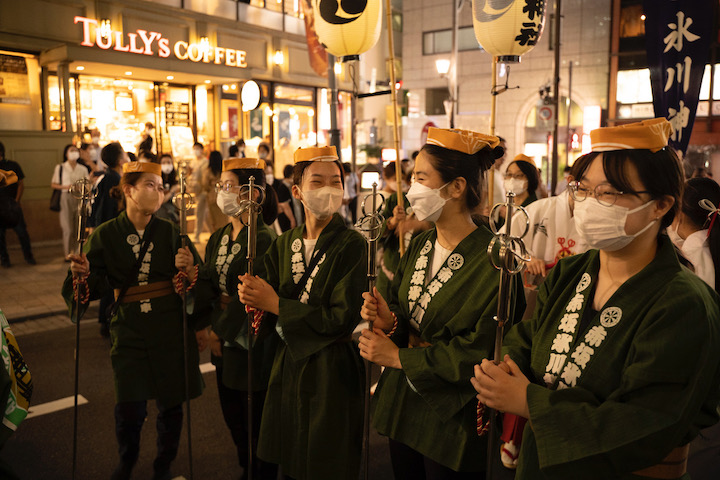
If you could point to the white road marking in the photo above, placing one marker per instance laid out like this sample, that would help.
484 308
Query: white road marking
55 406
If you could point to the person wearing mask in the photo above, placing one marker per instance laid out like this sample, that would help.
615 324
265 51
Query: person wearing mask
240 144
285 218
225 260
210 177
12 194
617 370
64 177
314 277
147 354
198 166
264 152
424 335
106 208
521 178
171 186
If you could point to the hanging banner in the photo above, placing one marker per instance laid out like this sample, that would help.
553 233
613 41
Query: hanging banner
678 38
14 84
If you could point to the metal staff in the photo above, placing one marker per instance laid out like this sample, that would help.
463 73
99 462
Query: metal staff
510 258
252 207
371 226
82 191
183 201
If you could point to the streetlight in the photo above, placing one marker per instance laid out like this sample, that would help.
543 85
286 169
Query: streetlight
443 68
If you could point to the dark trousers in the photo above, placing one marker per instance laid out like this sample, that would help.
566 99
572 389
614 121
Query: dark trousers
23 237
129 419
409 464
234 405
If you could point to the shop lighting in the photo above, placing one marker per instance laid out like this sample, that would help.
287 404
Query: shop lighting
338 68
268 111
442 65
208 81
170 77
79 68
225 88
291 111
128 73
105 28
233 87
279 58
311 113
642 17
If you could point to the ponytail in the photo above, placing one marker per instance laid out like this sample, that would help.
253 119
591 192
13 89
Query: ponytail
699 205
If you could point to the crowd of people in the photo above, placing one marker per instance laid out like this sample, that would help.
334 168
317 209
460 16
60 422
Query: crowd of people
610 367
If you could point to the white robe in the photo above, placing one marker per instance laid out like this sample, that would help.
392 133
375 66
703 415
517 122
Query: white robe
696 250
552 234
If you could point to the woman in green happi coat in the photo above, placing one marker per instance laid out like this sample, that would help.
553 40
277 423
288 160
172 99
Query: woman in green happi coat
225 260
617 370
146 331
442 300
312 420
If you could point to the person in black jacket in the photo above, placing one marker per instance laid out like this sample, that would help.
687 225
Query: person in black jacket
12 194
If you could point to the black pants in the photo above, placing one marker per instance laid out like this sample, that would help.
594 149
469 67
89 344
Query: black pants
129 419
234 404
409 464
23 237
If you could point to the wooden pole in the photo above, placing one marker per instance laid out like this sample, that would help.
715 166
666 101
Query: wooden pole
396 122
493 114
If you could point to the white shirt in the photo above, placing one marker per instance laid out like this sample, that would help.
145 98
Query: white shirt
695 248
552 234
70 175
440 254
309 248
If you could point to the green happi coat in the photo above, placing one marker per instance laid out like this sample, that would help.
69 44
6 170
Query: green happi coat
641 378
225 260
436 415
147 337
390 243
312 419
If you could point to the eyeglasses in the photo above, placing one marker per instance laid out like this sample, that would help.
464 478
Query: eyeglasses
605 194
226 187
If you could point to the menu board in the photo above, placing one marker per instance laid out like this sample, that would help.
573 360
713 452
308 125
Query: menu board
14 85
177 114
181 142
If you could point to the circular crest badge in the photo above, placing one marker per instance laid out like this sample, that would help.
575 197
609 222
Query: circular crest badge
455 261
584 283
610 317
224 240
151 246
235 249
296 245
426 248
133 239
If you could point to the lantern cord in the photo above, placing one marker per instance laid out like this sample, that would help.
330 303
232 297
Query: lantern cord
498 89
353 78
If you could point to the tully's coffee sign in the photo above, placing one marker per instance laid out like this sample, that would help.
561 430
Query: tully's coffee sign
143 42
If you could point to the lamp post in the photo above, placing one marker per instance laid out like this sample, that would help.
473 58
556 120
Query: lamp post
443 68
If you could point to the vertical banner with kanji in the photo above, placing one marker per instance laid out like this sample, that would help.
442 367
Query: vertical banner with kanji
678 38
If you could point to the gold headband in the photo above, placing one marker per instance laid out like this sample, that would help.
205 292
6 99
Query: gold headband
142 167
316 154
646 135
464 141
235 163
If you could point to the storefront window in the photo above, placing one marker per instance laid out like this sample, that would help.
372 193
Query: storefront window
19 92
293 123
176 120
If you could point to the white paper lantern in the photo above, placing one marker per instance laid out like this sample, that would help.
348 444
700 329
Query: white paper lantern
508 28
347 28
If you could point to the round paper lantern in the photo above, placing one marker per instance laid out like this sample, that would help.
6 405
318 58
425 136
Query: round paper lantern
347 28
508 28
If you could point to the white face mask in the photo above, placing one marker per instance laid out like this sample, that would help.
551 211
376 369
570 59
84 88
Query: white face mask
167 168
322 202
198 152
73 156
604 227
515 185
228 203
426 202
675 238
262 155
269 178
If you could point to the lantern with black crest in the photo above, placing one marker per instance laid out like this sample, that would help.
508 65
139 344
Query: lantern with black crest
508 29
347 28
